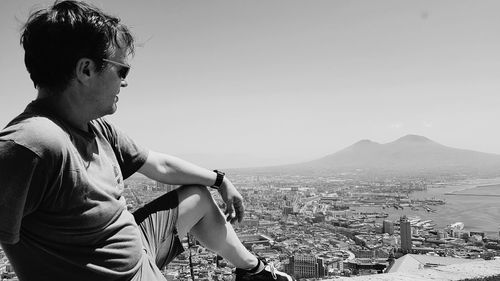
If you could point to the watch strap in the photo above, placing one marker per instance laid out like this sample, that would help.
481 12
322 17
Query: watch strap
219 179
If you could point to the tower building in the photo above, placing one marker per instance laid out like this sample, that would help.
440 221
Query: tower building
405 233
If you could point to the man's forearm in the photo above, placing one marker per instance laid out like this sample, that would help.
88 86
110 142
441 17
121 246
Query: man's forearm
173 170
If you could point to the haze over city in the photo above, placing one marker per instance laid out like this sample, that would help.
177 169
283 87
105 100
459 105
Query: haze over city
249 83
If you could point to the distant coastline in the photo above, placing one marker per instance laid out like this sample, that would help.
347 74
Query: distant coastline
472 194
491 190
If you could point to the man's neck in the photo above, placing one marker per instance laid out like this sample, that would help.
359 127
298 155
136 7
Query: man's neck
67 107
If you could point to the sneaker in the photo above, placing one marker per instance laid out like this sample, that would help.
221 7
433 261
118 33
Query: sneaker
268 273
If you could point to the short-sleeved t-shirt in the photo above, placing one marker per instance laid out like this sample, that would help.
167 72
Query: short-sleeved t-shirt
62 213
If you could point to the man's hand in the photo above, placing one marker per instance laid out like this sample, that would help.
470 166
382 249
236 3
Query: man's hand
234 202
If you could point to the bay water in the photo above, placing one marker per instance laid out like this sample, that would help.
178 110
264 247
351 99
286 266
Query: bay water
476 203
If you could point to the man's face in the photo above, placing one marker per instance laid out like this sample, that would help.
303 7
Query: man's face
107 84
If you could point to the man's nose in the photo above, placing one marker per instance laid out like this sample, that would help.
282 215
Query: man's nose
124 83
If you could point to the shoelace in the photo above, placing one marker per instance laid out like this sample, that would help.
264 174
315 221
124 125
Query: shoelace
272 269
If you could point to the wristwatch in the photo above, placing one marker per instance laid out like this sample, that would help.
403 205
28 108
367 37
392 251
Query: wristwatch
219 179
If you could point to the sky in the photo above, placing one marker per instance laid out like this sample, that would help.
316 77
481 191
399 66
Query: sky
233 83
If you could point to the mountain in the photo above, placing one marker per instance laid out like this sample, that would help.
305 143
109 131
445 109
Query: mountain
408 154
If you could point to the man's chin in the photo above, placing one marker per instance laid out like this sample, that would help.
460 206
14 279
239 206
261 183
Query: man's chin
112 109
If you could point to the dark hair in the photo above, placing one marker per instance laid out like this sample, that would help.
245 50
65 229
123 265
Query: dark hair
54 39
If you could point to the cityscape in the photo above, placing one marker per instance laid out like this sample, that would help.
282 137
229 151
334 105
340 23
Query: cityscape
311 229
317 228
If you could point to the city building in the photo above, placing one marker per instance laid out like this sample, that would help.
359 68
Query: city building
305 266
388 227
287 210
250 222
405 233
258 239
480 233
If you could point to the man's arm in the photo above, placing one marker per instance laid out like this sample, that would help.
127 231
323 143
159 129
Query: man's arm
23 180
172 170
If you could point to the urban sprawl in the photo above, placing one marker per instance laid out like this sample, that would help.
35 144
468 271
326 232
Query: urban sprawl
310 228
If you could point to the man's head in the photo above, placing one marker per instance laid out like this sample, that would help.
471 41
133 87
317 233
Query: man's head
56 38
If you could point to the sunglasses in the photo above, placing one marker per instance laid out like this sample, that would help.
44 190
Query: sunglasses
123 71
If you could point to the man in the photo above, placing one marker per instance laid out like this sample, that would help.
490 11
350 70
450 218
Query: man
62 213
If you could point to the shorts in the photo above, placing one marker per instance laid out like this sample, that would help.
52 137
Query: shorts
157 222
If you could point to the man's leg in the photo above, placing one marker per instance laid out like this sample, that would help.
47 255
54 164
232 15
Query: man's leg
199 215
157 221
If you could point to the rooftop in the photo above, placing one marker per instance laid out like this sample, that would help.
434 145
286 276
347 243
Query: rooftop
408 263
470 271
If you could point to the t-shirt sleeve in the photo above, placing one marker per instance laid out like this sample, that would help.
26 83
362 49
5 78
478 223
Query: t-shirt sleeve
21 187
129 154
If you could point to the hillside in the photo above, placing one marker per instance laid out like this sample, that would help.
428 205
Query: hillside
408 154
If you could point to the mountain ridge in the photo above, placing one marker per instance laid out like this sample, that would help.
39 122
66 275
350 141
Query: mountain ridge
407 154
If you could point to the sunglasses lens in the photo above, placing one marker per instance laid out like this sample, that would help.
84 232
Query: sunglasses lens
123 68
124 72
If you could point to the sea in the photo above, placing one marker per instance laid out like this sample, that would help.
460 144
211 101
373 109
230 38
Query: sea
476 203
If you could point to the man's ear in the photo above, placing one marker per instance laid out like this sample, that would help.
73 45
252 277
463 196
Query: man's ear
84 70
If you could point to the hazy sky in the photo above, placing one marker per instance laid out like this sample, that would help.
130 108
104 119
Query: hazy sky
243 83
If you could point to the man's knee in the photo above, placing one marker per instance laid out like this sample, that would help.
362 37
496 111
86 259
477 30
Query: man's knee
194 192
